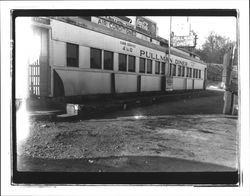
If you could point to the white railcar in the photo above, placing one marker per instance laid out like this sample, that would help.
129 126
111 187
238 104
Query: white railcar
82 57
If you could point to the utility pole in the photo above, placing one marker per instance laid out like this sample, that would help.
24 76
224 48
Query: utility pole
226 78
169 43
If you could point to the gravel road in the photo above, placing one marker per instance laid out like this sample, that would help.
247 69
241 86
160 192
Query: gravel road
203 138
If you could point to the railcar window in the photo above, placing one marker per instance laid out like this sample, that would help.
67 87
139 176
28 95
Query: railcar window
95 58
122 62
131 63
72 55
187 73
193 73
179 70
163 68
142 65
108 60
157 67
190 73
149 66
183 71
199 73
170 69
174 70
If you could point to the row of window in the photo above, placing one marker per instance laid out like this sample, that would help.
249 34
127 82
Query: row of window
181 71
125 63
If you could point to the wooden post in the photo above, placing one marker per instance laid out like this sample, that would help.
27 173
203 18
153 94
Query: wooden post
139 83
112 79
226 78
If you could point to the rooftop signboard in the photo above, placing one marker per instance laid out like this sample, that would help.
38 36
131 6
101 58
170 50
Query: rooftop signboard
145 26
115 24
118 20
183 41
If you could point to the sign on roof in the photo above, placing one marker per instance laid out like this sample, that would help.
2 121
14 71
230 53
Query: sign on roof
183 41
118 20
113 25
145 26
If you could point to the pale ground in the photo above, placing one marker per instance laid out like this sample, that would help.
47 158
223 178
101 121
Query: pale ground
204 138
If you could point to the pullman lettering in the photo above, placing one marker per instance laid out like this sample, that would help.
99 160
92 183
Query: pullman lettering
152 56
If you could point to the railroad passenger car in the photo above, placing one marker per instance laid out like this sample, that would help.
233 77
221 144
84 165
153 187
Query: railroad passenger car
106 55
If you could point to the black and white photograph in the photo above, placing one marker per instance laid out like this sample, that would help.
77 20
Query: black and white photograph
112 94
125 96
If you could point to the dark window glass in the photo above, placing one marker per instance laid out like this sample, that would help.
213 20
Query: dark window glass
199 73
142 65
183 71
108 60
190 73
179 70
157 67
72 55
163 68
122 62
187 73
174 70
95 58
193 73
131 63
149 66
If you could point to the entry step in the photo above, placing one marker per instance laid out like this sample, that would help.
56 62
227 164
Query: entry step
66 115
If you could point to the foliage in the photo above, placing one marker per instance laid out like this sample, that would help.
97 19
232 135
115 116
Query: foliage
214 72
214 48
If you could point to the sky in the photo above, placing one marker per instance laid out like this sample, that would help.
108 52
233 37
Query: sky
202 26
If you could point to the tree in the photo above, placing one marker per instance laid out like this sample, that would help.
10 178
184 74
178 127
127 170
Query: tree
214 48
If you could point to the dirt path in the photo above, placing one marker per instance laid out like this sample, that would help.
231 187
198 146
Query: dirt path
203 138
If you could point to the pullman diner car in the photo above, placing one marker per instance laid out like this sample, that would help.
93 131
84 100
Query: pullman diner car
107 55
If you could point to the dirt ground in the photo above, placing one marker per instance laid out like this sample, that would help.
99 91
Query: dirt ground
203 138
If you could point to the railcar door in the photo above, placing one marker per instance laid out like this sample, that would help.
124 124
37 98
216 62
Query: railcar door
38 64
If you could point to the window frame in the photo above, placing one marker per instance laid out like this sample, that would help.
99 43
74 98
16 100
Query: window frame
134 65
91 65
157 65
126 63
179 70
151 66
174 70
171 69
183 71
144 65
77 55
163 70
187 73
190 72
112 65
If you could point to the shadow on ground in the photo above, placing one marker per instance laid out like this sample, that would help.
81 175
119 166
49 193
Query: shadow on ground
118 164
